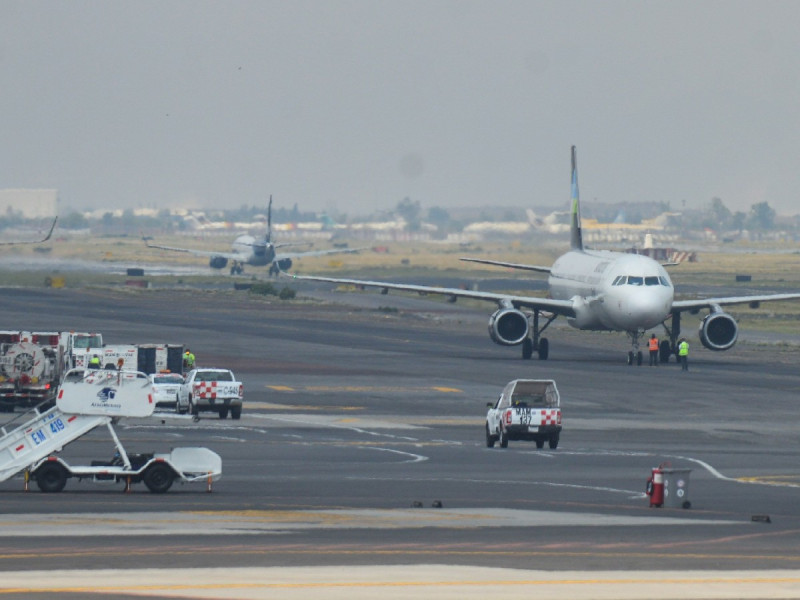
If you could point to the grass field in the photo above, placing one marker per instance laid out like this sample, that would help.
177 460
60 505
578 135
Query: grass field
770 268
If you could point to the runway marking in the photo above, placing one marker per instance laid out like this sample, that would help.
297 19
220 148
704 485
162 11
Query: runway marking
398 581
415 457
363 388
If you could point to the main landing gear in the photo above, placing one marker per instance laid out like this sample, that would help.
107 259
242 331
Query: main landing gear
536 343
237 268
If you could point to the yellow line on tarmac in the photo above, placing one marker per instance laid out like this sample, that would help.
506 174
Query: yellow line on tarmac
639 582
363 388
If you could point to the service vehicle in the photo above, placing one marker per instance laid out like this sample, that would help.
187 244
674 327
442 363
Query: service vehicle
147 358
81 346
86 400
211 390
166 387
527 409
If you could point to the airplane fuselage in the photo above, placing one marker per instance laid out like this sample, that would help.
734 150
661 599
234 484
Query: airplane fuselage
612 291
258 251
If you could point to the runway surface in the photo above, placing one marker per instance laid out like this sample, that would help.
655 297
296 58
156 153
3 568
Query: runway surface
361 418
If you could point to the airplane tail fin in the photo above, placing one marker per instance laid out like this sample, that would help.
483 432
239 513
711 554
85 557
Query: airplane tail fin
268 237
576 237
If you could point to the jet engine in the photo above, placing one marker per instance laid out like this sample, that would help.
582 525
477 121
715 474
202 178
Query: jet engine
718 331
508 326
218 262
285 264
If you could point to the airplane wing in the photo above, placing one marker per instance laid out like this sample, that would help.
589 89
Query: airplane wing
508 264
560 307
284 255
228 255
44 239
700 303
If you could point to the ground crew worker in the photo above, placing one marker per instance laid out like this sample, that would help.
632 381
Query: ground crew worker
683 354
653 345
188 360
94 362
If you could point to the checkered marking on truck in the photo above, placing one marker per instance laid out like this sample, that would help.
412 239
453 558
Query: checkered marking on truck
551 416
206 390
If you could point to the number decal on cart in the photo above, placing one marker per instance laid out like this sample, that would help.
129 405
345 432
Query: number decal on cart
57 426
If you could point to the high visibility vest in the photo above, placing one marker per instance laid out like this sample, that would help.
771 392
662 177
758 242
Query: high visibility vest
653 344
94 361
683 349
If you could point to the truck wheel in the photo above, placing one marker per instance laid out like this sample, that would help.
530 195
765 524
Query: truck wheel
51 478
553 441
236 412
539 443
158 478
178 409
490 440
223 413
503 439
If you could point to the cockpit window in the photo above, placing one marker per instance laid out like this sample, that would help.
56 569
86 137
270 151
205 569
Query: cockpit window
619 280
635 280
651 280
663 280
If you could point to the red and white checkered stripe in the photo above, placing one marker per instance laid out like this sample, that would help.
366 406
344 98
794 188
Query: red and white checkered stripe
206 390
550 416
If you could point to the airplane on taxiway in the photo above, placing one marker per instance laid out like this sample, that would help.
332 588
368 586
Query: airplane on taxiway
253 251
44 239
598 291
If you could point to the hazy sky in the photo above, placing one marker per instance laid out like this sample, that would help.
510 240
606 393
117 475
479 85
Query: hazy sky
353 105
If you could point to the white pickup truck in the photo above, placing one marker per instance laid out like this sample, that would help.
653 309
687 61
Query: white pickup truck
528 409
211 390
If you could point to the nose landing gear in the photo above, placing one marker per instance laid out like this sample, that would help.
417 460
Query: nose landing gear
635 355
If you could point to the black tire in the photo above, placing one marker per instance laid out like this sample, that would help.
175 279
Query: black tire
158 478
51 477
503 439
490 439
236 412
527 348
553 442
539 443
630 358
223 413
639 358
544 349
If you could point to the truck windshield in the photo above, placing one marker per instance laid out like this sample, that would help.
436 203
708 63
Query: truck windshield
88 341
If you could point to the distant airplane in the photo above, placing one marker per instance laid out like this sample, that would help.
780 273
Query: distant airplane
44 239
256 252
598 291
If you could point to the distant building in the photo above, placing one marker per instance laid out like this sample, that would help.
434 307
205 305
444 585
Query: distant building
31 204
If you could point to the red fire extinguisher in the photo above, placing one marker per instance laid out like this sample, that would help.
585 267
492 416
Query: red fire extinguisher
655 487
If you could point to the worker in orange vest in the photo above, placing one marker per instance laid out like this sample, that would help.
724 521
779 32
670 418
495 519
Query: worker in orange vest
653 345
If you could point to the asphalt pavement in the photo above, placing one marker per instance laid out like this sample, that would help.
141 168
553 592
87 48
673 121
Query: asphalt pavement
359 466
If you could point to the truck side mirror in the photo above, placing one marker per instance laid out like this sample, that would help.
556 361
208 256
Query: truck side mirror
490 404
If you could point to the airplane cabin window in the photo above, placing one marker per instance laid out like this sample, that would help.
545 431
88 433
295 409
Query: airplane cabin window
635 280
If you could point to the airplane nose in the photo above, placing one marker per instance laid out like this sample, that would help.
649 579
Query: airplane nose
647 308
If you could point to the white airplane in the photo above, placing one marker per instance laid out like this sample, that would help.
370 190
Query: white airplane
595 290
44 239
253 251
